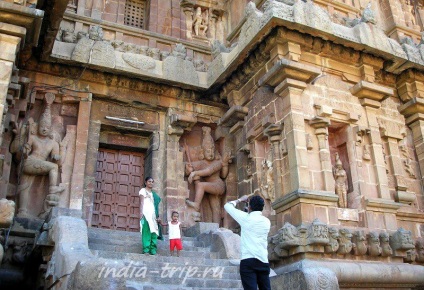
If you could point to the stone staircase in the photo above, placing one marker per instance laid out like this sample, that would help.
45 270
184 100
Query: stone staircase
196 268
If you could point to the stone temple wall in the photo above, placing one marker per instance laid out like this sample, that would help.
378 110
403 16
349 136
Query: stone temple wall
317 106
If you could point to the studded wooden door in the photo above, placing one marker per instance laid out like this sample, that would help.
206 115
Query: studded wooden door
119 177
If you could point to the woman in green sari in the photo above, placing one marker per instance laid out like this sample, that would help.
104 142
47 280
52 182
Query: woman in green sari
149 208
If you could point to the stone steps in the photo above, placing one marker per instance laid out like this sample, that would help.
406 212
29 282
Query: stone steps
196 267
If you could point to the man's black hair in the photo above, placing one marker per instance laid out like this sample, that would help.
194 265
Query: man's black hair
256 203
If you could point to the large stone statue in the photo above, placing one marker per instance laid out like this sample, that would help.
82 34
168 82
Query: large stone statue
340 178
207 175
41 155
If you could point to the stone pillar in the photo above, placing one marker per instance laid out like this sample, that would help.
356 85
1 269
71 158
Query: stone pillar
9 49
413 111
90 170
78 175
370 96
321 131
274 134
289 79
174 186
187 8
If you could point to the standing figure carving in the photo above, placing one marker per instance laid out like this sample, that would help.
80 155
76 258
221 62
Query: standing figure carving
340 178
41 155
207 174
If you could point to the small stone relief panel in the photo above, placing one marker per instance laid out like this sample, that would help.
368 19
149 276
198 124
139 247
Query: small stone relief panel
204 23
409 13
408 162
340 177
266 172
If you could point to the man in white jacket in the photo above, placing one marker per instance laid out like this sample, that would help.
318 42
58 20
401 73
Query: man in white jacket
254 265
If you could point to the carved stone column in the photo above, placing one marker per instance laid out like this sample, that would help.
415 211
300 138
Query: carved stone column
413 111
289 79
187 8
321 131
393 135
274 134
173 171
370 95
10 47
82 137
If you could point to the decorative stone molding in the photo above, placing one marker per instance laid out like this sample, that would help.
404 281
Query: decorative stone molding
401 242
285 69
317 237
233 115
370 94
180 121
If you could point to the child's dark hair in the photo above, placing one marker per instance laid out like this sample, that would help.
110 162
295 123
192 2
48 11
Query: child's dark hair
256 203
172 213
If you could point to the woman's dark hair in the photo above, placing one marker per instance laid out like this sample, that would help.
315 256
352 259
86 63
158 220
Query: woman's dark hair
147 178
256 203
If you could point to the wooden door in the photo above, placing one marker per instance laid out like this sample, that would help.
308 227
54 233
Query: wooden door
119 177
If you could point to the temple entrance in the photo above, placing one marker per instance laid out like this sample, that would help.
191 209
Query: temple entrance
119 177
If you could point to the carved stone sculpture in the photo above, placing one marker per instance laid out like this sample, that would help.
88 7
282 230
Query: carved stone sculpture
290 236
368 16
407 11
69 36
359 243
345 242
317 233
419 246
217 47
207 174
367 153
340 178
402 243
386 250
200 22
7 212
333 244
374 248
268 189
41 156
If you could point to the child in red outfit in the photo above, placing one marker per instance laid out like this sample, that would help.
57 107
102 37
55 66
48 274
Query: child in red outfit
175 234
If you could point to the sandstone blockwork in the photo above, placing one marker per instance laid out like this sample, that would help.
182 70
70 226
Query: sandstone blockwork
317 106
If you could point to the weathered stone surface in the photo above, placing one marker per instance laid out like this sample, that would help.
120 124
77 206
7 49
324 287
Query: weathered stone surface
82 51
226 244
103 54
71 245
7 212
200 228
180 70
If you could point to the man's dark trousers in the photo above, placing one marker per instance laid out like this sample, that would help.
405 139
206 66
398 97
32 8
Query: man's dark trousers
254 274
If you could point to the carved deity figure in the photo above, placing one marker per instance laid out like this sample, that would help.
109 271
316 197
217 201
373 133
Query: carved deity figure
374 248
419 245
386 249
359 243
268 189
200 22
41 156
408 12
333 244
207 174
340 178
345 242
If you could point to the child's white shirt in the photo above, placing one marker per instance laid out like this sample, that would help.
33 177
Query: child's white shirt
174 231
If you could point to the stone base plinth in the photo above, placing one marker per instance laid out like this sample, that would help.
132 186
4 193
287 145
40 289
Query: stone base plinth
310 274
200 228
